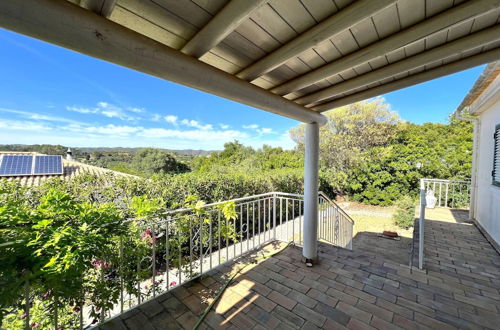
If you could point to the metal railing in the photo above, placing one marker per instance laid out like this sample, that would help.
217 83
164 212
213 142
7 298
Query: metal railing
449 193
335 226
158 255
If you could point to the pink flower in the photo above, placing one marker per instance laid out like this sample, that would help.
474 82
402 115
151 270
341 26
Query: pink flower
173 283
148 236
98 264
35 324
23 316
76 309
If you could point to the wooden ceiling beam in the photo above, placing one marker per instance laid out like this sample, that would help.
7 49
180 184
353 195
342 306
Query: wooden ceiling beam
458 46
220 26
464 11
328 28
67 25
100 7
444 70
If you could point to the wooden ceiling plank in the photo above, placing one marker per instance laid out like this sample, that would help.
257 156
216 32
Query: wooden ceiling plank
416 32
220 26
429 58
460 65
100 7
328 28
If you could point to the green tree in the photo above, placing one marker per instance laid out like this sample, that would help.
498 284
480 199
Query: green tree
156 161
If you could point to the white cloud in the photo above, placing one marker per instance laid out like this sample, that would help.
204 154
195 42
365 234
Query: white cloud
265 130
22 125
136 110
224 126
171 119
258 129
196 124
82 110
156 117
252 126
109 110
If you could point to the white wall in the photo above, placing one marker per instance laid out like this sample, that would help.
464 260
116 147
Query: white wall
487 205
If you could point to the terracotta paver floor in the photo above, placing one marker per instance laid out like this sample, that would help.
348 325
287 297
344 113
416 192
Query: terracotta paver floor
348 289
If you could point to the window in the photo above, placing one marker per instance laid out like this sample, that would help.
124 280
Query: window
496 157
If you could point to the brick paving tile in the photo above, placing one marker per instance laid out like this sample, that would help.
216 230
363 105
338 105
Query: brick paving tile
432 323
264 318
375 310
187 321
380 293
360 294
358 325
275 286
382 324
323 298
139 321
354 312
415 306
288 317
309 314
282 300
302 299
164 321
332 313
151 308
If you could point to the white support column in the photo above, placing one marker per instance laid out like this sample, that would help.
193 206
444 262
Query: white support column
310 249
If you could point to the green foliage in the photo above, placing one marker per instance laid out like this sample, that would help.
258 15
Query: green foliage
368 154
405 214
61 241
156 161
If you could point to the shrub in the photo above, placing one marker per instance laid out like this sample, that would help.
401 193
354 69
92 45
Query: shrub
405 213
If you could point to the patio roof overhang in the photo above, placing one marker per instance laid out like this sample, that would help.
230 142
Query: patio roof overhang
294 58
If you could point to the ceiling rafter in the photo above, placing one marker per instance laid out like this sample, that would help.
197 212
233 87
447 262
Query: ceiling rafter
458 46
220 26
100 7
464 11
328 28
441 71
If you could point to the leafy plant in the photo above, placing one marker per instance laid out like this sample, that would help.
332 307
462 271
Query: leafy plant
404 216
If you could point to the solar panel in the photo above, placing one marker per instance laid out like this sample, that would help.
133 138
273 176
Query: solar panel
48 165
16 165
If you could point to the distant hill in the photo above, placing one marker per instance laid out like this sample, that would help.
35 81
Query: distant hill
58 149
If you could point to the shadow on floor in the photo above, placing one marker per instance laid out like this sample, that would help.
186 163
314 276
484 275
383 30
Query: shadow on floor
397 251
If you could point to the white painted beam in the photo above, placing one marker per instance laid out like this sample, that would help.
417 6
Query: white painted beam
67 25
328 28
458 46
464 11
220 26
457 66
100 7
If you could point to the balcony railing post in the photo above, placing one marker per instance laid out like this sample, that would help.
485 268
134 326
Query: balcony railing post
421 226
274 215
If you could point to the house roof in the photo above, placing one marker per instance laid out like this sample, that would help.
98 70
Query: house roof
296 58
489 74
71 169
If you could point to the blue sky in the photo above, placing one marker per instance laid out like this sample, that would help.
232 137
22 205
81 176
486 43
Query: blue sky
52 95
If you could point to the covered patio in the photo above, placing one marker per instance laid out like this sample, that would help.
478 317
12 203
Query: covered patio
347 289
296 59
